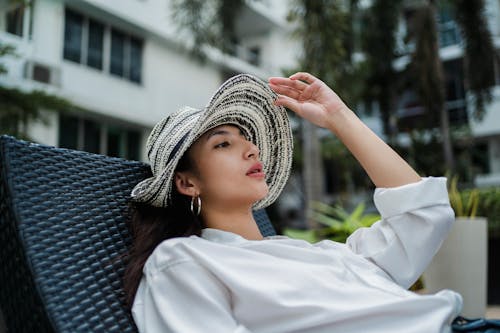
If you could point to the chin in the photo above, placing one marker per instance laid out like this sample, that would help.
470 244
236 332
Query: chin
262 195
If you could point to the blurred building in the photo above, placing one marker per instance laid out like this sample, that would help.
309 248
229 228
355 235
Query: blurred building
485 133
125 65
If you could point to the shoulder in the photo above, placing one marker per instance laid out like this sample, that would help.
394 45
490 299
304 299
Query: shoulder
172 252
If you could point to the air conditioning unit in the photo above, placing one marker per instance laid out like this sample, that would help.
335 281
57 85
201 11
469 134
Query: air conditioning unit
43 73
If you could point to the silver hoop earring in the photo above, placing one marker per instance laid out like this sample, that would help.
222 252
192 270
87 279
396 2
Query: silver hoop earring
198 206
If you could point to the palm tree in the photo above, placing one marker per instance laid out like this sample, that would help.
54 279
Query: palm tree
479 51
428 75
379 44
209 22
324 27
426 69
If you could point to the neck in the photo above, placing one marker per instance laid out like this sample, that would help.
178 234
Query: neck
240 222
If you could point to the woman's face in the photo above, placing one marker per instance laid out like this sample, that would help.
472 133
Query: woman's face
228 170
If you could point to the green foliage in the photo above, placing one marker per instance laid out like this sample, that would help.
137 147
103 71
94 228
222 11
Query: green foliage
427 69
379 44
310 236
479 52
325 29
472 202
426 152
465 203
337 222
489 207
18 109
5 50
348 175
209 22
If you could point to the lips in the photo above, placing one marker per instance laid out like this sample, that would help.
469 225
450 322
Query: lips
256 171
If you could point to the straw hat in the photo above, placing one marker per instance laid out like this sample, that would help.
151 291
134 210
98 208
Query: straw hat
243 100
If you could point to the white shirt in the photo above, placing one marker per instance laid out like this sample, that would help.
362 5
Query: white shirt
221 282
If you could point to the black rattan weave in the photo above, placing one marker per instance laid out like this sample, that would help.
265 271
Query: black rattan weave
62 237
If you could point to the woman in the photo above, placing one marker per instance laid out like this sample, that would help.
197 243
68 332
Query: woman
225 277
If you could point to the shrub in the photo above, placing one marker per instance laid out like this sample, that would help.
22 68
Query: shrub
337 223
489 207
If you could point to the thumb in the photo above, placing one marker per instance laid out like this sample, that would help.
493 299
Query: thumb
288 102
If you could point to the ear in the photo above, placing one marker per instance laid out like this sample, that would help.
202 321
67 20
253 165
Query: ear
186 184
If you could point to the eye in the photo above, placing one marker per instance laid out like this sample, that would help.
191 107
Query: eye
222 145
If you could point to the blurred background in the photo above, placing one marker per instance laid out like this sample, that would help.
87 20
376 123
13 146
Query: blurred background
96 75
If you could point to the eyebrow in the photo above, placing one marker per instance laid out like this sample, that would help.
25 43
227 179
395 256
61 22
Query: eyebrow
221 132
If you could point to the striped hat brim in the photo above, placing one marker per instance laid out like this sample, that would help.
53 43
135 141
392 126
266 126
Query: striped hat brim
243 100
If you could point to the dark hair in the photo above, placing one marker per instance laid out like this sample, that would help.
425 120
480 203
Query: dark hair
149 226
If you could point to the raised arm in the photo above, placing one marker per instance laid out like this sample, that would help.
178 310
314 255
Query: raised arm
313 100
415 217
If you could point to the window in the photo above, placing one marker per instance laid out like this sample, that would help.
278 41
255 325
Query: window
95 44
73 31
91 136
117 53
123 143
15 20
135 60
84 42
497 69
98 137
454 80
254 55
449 33
480 158
16 15
133 145
126 56
68 132
455 92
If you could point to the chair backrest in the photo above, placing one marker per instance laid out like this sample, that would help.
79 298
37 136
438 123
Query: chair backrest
63 238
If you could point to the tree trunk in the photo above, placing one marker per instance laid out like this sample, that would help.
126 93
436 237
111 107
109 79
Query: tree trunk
313 169
443 112
429 77
447 147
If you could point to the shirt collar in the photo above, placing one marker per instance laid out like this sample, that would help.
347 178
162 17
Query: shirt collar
221 236
227 237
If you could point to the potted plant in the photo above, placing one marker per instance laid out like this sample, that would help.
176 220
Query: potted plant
461 262
337 223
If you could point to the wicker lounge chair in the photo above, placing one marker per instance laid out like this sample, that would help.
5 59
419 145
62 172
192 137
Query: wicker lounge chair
63 238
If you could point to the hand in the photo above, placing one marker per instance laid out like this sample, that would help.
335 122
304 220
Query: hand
308 97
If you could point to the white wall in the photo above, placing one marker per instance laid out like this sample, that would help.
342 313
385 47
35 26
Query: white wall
490 124
170 77
44 132
492 12
494 154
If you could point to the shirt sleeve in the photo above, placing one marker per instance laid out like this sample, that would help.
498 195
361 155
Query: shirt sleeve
185 297
415 219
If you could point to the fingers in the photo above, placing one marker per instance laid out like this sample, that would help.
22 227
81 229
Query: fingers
284 90
288 102
283 81
289 87
304 77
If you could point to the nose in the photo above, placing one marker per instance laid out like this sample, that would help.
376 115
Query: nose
252 151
